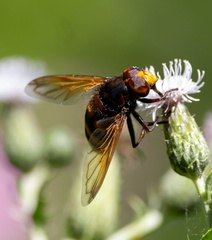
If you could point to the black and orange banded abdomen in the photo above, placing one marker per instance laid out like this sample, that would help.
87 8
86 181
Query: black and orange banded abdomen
103 108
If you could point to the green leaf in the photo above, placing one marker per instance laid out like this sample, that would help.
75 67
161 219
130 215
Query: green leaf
207 235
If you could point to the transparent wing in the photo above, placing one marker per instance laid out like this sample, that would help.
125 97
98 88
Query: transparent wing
64 89
98 159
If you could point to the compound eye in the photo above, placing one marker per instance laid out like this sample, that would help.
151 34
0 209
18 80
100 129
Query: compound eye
139 86
139 81
130 72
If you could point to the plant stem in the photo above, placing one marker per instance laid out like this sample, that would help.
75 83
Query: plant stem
137 229
200 186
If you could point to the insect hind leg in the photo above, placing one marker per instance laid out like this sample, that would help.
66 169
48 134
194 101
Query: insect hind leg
146 127
144 124
132 133
156 122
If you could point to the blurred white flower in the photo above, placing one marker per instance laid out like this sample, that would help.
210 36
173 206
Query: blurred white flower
176 84
15 73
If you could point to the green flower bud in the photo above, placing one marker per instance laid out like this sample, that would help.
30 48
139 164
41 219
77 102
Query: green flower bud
31 188
187 149
58 147
98 219
22 138
170 191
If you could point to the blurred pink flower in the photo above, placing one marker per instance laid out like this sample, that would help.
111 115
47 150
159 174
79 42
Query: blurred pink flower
14 221
15 73
207 128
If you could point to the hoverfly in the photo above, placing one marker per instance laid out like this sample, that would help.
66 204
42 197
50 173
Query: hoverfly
114 101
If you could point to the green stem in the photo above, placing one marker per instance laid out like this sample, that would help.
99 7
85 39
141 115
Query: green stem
38 233
200 186
140 228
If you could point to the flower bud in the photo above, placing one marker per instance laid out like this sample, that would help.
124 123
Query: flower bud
58 147
187 149
170 191
98 219
22 138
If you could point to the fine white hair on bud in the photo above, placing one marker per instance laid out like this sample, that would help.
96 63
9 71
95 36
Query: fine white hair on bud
186 147
176 85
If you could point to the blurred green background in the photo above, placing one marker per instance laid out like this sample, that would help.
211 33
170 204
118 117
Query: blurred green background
103 38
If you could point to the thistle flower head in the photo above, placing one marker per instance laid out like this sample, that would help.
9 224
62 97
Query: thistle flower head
187 149
176 85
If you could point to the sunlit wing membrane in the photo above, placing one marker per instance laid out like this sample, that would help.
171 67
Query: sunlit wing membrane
98 160
64 89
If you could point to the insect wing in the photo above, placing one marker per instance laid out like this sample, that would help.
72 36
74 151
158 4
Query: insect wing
64 89
98 159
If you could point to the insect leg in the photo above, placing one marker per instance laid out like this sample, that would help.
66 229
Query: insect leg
132 133
150 100
143 123
162 96
157 91
161 122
